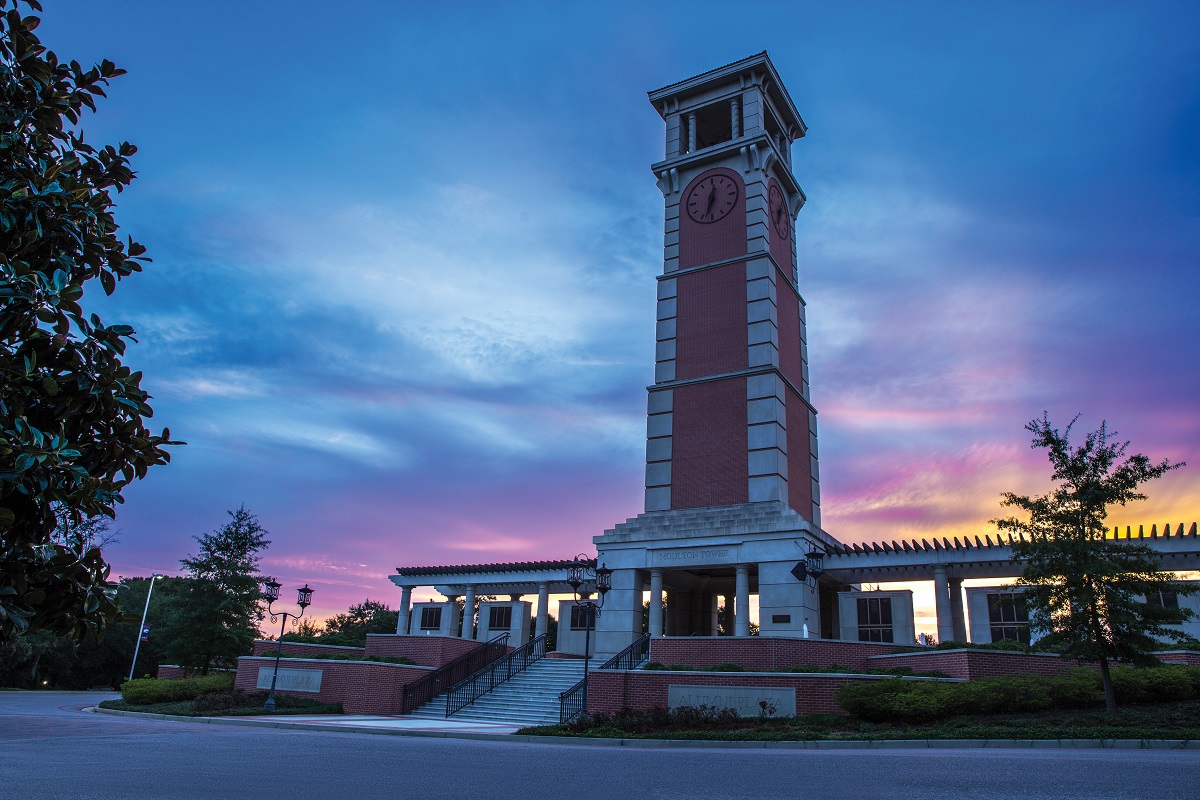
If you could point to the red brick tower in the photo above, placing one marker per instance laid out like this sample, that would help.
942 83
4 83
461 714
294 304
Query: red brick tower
730 420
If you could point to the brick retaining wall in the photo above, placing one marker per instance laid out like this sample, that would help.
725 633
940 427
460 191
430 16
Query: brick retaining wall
266 647
362 687
972 664
763 652
428 651
611 690
1189 657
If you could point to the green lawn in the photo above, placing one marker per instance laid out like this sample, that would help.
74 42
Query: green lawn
1179 720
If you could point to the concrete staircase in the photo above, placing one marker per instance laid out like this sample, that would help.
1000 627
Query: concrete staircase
528 698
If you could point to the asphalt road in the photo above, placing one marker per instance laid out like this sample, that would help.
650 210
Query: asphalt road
50 749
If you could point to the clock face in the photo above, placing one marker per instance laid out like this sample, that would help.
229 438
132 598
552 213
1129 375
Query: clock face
712 199
780 219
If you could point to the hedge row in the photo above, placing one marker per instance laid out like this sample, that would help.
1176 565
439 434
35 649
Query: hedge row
926 701
142 691
345 657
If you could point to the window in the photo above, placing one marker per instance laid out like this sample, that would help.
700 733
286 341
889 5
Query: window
875 619
579 617
500 617
1009 616
431 618
1164 599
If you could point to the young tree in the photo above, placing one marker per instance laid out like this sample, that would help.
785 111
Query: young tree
1087 592
72 430
216 617
366 617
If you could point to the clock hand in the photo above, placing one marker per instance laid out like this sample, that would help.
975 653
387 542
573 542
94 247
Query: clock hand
712 199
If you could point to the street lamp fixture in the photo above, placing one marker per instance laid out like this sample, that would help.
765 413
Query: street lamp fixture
142 628
586 579
304 600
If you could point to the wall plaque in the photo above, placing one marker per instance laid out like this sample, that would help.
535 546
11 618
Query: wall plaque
744 699
684 557
291 680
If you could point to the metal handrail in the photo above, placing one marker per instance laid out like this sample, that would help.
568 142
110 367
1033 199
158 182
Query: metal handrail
490 676
631 657
420 692
572 702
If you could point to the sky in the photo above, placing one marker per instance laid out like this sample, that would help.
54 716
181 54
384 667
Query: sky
403 289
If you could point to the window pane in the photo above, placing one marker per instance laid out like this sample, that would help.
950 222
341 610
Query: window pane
862 612
885 611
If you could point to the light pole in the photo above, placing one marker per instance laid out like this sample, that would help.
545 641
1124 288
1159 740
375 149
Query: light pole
138 644
585 578
303 599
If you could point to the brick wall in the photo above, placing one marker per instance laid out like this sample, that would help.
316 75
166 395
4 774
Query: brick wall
362 687
611 690
763 652
973 664
711 336
264 647
799 455
428 651
709 464
1190 657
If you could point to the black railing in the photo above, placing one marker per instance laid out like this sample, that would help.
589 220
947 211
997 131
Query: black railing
422 691
490 676
572 702
631 657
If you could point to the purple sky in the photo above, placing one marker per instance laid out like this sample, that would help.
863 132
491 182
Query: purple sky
403 293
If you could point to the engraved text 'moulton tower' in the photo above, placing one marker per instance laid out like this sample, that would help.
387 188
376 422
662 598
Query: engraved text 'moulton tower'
730 421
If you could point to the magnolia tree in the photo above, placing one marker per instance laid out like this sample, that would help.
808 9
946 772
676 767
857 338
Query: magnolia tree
1086 592
72 415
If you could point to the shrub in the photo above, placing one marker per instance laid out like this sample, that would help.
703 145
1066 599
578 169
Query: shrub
143 691
725 667
925 701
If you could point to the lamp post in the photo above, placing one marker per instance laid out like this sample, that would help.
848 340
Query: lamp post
138 644
304 600
585 578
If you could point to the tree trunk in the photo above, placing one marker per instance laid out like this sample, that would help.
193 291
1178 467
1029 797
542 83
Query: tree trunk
1110 694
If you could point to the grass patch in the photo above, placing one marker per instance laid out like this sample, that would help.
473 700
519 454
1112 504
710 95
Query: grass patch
1179 720
228 704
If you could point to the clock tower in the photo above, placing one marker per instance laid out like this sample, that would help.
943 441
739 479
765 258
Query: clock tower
732 498
730 419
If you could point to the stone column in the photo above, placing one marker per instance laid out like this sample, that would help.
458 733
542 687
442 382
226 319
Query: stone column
691 126
735 109
656 602
741 611
941 602
468 620
516 598
543 618
405 609
452 609
956 610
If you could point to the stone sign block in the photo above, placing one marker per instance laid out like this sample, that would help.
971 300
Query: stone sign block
744 699
291 680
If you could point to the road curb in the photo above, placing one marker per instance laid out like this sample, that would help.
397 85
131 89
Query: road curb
579 741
